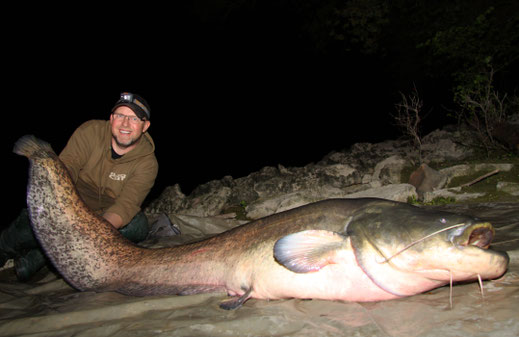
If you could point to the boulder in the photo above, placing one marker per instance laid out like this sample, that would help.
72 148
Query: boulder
443 145
396 192
465 170
389 170
426 179
265 207
171 200
508 187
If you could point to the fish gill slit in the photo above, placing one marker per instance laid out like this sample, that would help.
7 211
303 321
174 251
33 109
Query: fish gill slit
348 221
420 240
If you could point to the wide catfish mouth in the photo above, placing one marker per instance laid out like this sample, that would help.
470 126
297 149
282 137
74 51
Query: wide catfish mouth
478 235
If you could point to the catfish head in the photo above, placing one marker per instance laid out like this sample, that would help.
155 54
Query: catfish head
407 250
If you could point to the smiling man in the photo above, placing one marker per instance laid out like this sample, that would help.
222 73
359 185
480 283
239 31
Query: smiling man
113 162
113 166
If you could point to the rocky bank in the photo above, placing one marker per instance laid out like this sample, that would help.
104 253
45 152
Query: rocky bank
390 170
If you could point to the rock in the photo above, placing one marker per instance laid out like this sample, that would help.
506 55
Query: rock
262 208
337 175
426 179
437 146
441 146
278 204
271 182
396 192
508 187
208 204
389 170
171 200
282 202
450 193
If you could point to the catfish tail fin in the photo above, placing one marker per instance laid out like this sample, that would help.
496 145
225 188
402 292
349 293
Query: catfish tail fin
28 145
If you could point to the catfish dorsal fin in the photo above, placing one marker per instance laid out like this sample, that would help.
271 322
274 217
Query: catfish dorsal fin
308 250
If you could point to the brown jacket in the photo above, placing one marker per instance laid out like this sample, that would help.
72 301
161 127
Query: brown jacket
110 185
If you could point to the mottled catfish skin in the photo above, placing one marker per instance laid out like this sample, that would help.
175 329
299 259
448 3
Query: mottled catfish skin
339 249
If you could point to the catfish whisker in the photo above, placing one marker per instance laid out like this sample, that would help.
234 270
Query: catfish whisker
420 240
450 289
481 286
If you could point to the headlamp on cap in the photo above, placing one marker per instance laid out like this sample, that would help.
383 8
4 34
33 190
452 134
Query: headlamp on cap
126 97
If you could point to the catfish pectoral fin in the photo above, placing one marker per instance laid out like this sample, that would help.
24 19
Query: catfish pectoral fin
308 250
236 302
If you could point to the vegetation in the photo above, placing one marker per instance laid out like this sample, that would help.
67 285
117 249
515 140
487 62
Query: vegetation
239 211
408 118
488 185
435 202
484 109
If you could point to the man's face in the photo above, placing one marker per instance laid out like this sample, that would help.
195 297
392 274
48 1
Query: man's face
127 128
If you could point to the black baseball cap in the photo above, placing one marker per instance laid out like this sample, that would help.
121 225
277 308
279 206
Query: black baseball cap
134 102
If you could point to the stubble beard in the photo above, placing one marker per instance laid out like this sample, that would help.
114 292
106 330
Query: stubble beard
124 145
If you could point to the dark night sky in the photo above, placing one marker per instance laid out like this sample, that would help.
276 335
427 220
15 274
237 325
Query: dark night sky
225 101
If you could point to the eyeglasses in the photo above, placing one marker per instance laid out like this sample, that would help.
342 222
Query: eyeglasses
131 119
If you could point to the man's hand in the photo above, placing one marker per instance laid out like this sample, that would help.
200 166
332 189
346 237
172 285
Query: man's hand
114 219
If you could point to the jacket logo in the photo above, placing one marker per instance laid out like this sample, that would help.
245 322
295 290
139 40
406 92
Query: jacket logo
117 177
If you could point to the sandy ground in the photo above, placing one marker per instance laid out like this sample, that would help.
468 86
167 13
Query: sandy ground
49 307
